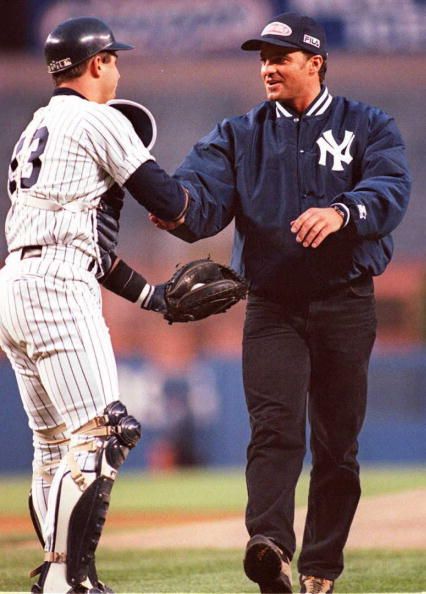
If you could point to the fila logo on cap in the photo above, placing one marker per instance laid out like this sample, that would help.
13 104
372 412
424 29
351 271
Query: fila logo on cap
55 65
311 40
277 28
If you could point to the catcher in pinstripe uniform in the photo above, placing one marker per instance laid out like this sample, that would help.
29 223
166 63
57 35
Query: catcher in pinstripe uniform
76 152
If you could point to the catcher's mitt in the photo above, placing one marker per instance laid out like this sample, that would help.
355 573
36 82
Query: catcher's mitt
202 288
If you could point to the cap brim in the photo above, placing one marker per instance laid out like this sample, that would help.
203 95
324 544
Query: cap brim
256 44
117 46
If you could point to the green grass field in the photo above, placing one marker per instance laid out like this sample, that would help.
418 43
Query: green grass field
207 570
221 571
201 490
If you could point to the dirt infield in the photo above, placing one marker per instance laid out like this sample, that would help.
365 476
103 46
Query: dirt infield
396 521
21 525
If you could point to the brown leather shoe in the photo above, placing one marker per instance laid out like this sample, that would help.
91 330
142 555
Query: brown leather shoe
315 585
266 564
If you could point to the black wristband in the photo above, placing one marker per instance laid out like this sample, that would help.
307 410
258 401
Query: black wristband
124 281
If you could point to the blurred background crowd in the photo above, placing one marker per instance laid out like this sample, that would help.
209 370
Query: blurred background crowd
183 381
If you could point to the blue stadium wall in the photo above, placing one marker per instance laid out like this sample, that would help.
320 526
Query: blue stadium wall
201 415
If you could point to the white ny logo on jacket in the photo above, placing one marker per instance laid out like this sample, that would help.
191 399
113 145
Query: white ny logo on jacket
341 152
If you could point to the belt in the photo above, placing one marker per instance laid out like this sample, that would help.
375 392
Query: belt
35 251
31 251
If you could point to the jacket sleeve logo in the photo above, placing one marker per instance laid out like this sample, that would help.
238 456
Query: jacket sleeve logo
362 211
340 152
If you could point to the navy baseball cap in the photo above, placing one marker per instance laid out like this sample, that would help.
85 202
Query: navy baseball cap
290 29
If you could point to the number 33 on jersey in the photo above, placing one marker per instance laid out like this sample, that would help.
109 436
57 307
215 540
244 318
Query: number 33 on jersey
25 165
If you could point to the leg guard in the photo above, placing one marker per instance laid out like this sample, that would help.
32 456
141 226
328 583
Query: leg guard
85 528
93 575
35 519
50 447
80 498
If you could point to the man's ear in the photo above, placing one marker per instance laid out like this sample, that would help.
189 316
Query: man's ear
95 66
315 63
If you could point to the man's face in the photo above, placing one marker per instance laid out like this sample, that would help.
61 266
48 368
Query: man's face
110 77
286 73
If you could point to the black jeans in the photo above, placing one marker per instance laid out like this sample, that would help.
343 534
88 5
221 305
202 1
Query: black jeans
313 352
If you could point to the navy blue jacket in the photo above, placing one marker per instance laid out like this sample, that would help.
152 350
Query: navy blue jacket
268 166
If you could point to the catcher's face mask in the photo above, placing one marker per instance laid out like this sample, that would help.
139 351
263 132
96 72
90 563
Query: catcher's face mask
141 119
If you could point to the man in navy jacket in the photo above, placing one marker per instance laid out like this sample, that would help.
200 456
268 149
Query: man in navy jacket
316 184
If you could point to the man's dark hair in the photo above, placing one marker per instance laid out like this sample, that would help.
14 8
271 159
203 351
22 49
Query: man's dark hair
322 71
79 69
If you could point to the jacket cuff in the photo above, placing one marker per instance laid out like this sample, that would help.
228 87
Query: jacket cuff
344 210
358 219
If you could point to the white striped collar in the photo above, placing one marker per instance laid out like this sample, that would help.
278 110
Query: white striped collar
281 111
320 104
318 107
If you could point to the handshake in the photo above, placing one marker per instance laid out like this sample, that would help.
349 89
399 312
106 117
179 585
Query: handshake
166 225
195 291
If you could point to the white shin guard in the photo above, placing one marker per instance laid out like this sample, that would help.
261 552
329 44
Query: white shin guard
64 497
79 499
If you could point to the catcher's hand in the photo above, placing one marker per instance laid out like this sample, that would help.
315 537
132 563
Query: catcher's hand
202 288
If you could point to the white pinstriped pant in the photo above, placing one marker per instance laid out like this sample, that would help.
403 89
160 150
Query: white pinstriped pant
54 334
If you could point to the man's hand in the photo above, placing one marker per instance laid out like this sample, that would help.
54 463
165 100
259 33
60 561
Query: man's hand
315 224
166 225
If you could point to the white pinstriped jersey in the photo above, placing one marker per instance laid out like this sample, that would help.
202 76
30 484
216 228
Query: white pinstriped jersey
51 323
71 152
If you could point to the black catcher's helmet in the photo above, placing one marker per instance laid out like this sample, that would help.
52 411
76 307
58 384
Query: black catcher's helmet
76 40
